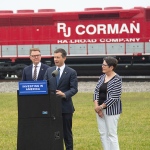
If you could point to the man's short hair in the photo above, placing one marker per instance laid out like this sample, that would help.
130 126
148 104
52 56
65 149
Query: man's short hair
62 51
34 49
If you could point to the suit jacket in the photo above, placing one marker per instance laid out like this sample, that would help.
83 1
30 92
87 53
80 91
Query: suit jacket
27 72
68 84
114 88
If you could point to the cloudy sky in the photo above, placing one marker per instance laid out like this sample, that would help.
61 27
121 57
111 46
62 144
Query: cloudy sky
68 5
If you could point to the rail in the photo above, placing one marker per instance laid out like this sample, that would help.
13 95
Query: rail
92 78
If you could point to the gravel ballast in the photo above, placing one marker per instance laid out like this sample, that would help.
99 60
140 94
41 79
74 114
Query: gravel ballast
12 87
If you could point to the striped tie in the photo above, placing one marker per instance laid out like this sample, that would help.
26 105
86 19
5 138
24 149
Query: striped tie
35 73
58 76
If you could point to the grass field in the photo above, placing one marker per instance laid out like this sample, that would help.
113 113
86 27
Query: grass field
133 131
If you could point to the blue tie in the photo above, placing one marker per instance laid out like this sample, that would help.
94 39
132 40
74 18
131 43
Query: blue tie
58 76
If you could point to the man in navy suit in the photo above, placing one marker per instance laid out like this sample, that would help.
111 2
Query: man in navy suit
66 88
28 72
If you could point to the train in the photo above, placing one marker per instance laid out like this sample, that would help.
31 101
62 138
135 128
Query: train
88 36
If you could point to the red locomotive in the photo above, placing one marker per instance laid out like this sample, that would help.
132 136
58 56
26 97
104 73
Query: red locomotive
87 36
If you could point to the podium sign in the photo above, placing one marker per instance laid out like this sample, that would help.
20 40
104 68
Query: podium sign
32 87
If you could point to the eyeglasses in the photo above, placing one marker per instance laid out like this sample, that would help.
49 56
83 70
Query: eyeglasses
35 55
104 65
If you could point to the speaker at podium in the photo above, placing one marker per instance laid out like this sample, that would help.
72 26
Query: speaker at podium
40 124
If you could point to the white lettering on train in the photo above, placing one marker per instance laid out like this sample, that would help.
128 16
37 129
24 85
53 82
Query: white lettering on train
92 29
66 30
62 41
108 29
83 41
119 40
102 40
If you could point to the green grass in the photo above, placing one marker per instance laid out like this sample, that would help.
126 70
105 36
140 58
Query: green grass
133 130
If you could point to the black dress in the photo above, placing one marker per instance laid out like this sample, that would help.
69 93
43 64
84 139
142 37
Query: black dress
102 93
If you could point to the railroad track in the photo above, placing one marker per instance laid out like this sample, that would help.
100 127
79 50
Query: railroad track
124 78
92 78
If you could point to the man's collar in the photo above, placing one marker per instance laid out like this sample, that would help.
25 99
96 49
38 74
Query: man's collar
38 65
61 68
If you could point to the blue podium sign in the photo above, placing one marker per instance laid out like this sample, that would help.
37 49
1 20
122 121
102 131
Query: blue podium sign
33 87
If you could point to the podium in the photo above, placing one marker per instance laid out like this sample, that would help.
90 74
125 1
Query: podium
40 124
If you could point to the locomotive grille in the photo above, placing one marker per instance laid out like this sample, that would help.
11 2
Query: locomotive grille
148 14
98 16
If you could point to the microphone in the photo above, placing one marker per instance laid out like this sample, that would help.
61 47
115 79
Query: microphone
55 73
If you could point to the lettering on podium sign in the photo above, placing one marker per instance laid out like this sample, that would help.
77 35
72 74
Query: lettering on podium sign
33 87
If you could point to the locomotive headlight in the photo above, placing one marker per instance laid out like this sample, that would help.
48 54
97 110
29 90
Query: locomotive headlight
143 58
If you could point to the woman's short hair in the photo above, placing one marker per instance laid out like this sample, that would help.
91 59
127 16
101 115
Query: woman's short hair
111 61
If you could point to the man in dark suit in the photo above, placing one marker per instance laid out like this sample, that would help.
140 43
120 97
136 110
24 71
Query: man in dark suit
37 70
66 87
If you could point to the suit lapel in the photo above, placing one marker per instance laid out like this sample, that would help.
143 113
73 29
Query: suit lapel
30 70
53 78
40 71
63 75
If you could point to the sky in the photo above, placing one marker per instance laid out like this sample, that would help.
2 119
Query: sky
69 5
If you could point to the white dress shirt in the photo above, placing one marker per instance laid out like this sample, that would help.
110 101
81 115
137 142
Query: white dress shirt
38 69
61 69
